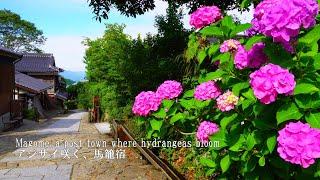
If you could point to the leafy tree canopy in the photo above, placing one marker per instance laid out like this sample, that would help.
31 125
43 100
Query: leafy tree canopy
138 7
18 34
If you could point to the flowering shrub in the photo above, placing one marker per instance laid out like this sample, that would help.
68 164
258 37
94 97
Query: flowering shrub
270 94
169 90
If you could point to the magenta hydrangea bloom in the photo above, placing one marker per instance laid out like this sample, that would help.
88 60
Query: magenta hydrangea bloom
169 90
271 80
205 16
241 59
230 45
146 102
282 19
298 143
253 58
227 101
256 55
205 130
207 90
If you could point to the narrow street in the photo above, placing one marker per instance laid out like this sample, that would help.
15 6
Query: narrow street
66 147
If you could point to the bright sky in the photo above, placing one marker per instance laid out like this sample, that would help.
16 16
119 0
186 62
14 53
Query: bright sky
66 23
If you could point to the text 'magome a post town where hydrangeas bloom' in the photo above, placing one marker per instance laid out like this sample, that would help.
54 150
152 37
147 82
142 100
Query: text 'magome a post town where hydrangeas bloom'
262 101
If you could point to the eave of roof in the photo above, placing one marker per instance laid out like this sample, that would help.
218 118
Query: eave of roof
9 53
30 84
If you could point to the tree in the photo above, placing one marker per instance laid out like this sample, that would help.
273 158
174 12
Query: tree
138 7
18 34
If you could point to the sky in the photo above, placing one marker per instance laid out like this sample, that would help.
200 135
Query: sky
65 23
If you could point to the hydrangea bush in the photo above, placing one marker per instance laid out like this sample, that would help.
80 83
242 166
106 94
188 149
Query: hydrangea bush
262 102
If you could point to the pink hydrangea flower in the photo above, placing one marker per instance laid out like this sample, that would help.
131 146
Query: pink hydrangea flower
256 55
205 16
207 90
282 19
253 58
241 59
169 90
205 130
227 101
298 143
271 80
230 45
146 102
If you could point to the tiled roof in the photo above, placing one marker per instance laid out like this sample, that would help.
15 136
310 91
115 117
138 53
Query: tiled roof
62 95
37 63
29 83
9 52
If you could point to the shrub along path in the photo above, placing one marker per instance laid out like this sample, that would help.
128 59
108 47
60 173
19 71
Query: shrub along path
58 149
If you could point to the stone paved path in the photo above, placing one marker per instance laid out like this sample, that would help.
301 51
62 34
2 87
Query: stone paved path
72 157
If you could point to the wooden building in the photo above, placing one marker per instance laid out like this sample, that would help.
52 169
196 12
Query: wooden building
7 83
43 67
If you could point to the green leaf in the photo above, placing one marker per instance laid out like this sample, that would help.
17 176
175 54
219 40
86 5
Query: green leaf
305 88
225 163
227 120
288 112
249 95
161 113
238 87
262 161
238 144
220 137
245 4
307 101
207 162
227 22
314 120
240 28
251 142
316 62
156 125
176 118
271 143
212 76
188 93
211 31
253 40
278 55
223 58
201 56
188 104
213 49
311 36
167 103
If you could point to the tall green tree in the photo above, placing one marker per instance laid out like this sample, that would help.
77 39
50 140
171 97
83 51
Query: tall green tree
138 7
18 34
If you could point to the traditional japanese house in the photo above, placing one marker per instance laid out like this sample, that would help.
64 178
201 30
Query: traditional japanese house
43 67
7 82
31 91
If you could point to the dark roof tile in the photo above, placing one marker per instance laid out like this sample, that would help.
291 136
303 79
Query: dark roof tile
30 83
37 63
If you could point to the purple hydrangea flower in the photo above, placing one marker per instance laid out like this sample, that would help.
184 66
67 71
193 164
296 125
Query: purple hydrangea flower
169 90
207 90
146 102
205 16
205 130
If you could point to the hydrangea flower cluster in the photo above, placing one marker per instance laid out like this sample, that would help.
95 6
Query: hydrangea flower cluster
253 58
271 80
230 45
298 143
205 16
205 130
169 89
207 90
227 101
282 19
146 102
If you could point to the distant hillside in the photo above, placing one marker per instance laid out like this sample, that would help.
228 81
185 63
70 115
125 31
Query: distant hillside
74 75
